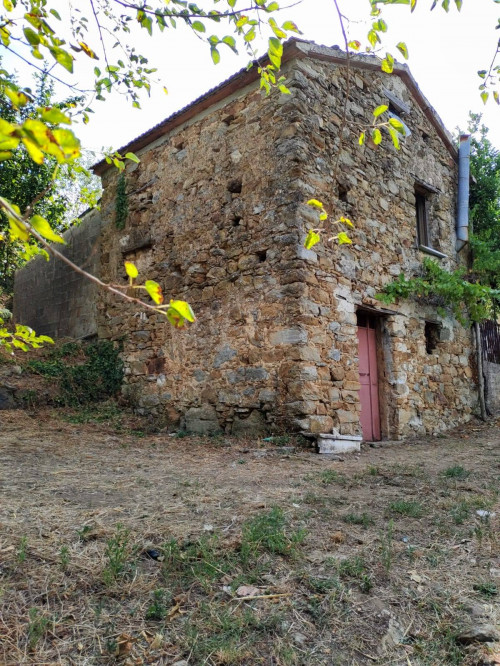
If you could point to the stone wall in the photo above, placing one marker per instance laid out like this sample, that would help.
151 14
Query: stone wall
492 378
217 216
420 391
53 299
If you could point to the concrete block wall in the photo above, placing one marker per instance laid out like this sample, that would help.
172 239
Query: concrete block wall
492 377
52 298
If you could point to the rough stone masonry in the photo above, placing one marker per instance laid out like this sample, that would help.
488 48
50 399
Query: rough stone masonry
217 216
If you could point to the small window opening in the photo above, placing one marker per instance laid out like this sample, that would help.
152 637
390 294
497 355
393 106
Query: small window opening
179 145
228 119
343 192
237 221
261 256
422 211
432 336
234 186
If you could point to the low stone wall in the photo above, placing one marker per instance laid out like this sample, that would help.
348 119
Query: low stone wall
492 378
53 299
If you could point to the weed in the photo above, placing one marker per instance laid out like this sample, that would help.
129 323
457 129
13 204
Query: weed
456 472
22 551
328 476
386 547
352 567
117 553
64 557
158 608
85 533
268 532
363 519
460 512
180 434
486 588
373 470
407 508
37 627
324 585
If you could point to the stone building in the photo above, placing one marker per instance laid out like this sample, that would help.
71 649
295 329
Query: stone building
289 338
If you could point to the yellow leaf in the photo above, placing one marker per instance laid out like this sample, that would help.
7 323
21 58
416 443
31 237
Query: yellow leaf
154 290
131 269
346 221
33 151
18 230
88 51
343 238
184 309
311 239
323 216
380 110
41 225
315 203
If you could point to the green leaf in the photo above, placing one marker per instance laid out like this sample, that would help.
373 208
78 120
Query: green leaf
54 115
373 38
397 124
17 97
290 26
198 26
230 41
132 157
376 136
361 139
41 225
388 63
312 239
484 96
8 4
355 45
215 55
394 137
32 36
63 58
403 49
380 110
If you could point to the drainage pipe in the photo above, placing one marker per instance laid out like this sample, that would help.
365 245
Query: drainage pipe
463 191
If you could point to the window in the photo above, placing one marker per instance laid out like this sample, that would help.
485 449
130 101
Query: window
432 336
426 235
422 219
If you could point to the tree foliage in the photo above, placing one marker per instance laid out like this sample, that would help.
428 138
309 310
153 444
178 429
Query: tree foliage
25 182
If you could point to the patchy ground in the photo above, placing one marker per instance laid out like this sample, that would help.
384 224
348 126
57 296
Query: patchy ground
122 547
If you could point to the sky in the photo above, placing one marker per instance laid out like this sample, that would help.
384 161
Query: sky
446 50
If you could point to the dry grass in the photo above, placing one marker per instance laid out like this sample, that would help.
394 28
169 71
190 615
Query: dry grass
346 569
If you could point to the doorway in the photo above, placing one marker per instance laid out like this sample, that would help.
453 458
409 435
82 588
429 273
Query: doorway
368 376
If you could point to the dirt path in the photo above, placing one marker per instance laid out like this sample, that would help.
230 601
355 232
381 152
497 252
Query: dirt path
422 563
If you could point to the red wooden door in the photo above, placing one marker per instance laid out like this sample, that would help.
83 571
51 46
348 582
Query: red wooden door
368 377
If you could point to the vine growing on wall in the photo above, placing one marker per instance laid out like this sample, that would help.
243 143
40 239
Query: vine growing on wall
451 291
121 202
